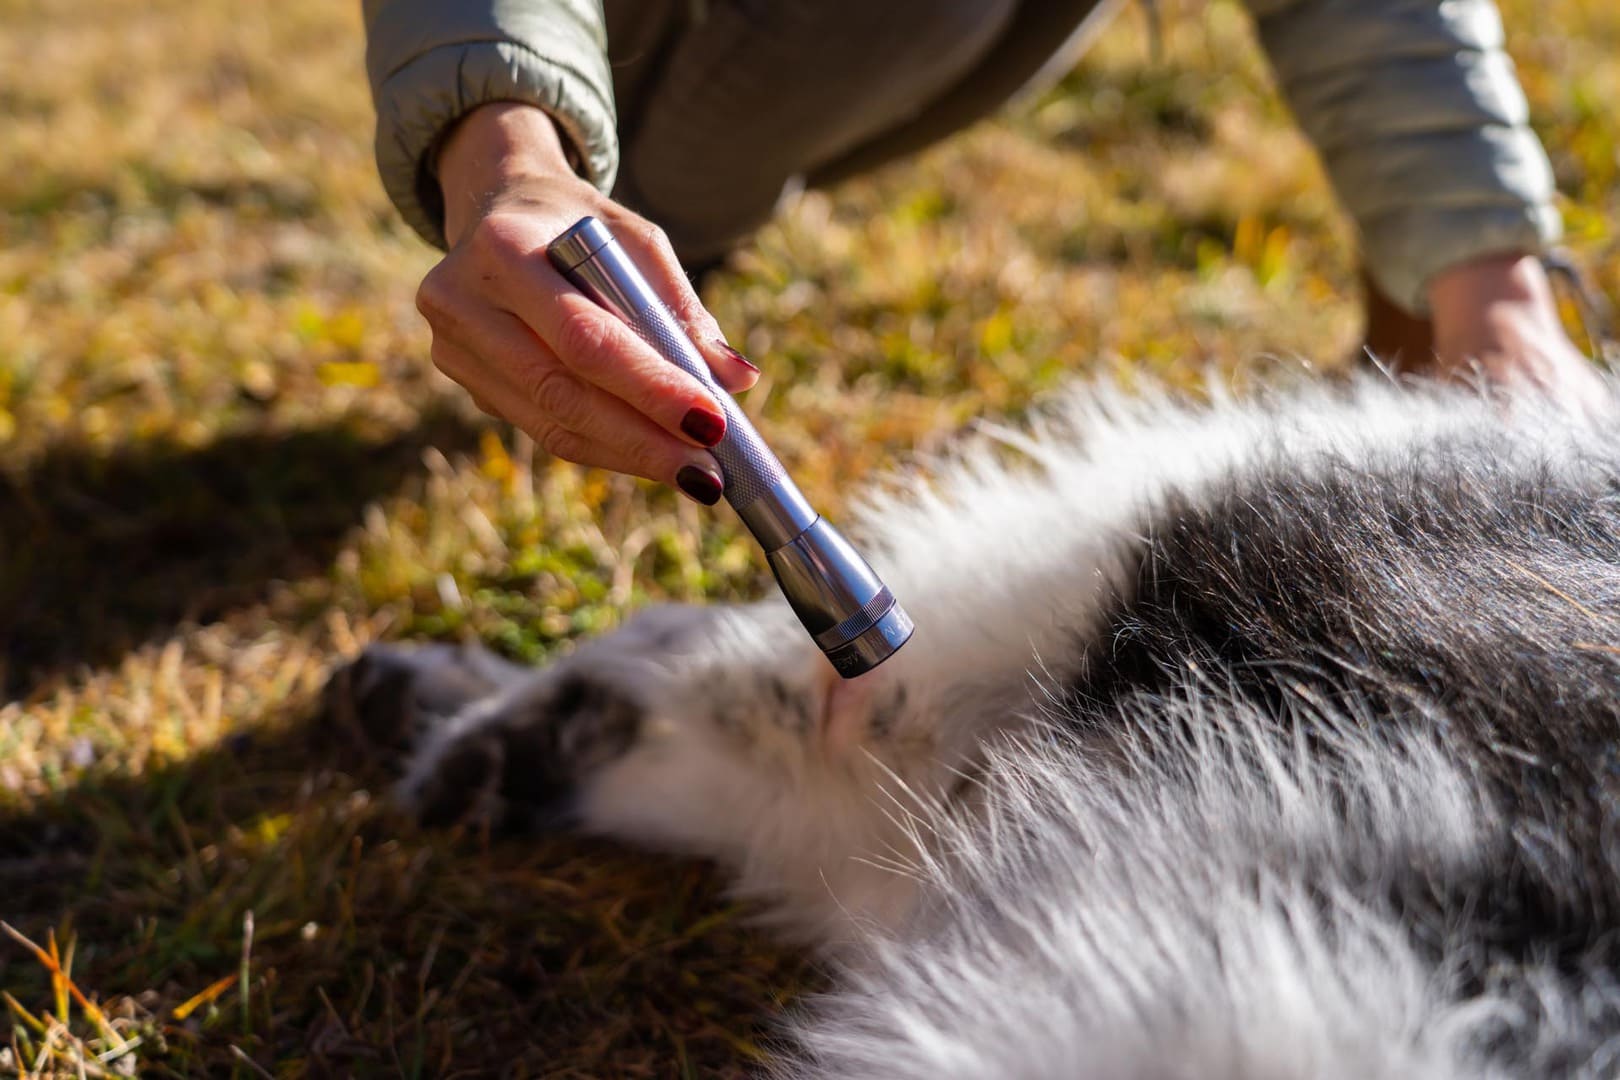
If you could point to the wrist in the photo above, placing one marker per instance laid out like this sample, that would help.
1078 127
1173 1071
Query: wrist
491 148
1471 288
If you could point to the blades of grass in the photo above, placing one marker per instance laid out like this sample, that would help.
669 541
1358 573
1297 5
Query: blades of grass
17 1054
23 1014
191 865
89 1066
22 939
97 1017
67 953
46 1050
209 993
107 1057
91 1011
241 1055
58 980
244 973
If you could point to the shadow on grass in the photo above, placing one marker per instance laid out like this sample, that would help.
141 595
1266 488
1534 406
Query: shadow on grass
378 949
102 552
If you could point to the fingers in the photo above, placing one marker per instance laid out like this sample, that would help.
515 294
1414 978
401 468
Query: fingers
732 370
610 435
604 352
649 248
550 315
535 351
1571 381
570 418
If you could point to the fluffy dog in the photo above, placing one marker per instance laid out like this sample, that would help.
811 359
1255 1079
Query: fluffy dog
1261 739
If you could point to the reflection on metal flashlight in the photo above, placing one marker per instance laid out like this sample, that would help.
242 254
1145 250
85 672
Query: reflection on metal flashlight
848 611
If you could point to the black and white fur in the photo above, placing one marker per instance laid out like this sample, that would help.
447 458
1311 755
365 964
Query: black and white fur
1264 739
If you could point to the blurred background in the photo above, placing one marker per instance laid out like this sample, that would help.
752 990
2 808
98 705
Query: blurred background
226 463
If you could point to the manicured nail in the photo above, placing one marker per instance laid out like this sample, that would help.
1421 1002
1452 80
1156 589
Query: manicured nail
700 484
705 425
739 357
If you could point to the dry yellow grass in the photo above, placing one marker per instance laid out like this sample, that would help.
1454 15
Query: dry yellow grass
225 463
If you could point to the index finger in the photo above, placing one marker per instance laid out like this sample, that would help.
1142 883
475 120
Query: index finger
599 348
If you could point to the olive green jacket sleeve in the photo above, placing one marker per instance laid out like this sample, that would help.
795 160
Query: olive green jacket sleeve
1422 126
432 61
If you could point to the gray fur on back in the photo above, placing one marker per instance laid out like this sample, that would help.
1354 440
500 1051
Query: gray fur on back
1332 795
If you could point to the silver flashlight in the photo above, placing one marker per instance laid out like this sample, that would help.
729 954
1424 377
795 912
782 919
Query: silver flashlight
849 612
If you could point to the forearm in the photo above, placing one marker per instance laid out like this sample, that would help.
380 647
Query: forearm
494 149
432 62
1422 127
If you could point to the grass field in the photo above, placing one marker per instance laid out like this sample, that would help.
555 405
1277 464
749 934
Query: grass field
226 464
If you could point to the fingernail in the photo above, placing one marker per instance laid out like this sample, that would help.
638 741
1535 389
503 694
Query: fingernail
739 357
705 425
700 484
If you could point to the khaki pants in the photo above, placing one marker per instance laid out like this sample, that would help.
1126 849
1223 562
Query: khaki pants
724 105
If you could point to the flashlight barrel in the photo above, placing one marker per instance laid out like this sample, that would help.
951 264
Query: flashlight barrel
842 603
756 484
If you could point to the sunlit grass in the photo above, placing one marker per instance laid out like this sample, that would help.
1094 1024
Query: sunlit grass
226 463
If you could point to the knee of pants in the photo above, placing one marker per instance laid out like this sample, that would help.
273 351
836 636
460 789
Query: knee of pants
938 36
757 93
905 49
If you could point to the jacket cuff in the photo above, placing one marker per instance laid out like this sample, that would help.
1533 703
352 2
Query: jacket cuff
1403 252
419 103
1444 217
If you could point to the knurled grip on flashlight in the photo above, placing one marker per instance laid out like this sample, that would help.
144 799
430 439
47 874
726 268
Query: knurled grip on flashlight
750 468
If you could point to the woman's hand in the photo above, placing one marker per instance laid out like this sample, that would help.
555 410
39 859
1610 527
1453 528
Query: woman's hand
1493 318
1496 315
533 350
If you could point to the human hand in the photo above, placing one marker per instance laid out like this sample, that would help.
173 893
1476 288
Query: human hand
1496 317
532 349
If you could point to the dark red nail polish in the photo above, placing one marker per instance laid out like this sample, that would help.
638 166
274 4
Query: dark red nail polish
739 357
701 484
705 425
